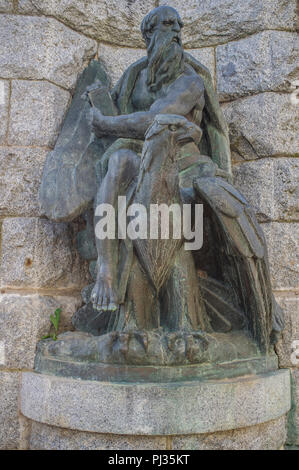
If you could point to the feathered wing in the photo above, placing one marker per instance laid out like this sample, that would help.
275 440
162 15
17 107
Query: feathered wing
242 255
69 177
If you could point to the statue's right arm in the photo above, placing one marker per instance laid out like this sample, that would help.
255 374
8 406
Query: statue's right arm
182 96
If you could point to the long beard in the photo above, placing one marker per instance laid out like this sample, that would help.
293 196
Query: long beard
165 60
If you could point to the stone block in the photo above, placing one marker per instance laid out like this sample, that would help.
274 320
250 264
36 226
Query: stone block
214 22
37 111
9 418
38 253
20 177
271 186
49 50
263 125
266 436
267 61
290 334
44 437
293 417
206 56
24 320
4 103
282 242
117 59
115 22
6 6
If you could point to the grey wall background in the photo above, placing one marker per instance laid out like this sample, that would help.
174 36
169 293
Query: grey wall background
251 49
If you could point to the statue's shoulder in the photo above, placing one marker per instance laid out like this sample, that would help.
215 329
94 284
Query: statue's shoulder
199 68
129 76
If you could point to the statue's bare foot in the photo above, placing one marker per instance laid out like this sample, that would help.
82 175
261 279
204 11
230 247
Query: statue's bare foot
104 294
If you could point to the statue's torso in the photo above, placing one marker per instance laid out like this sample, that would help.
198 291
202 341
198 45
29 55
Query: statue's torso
142 98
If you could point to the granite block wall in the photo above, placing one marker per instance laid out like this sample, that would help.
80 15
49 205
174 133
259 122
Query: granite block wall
250 47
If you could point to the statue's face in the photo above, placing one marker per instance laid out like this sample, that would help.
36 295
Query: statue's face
169 23
164 47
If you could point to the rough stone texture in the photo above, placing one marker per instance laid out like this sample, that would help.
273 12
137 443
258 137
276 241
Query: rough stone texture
206 23
282 241
48 50
206 56
114 21
152 409
263 125
6 6
117 59
25 432
37 111
266 436
279 181
24 319
214 22
9 429
4 100
20 176
290 305
39 253
293 417
267 61
45 437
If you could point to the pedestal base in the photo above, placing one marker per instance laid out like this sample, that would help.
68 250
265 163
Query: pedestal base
267 436
169 409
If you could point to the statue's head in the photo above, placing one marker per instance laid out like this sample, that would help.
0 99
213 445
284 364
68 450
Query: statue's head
165 19
161 30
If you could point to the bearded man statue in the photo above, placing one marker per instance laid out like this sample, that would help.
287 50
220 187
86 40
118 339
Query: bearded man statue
161 127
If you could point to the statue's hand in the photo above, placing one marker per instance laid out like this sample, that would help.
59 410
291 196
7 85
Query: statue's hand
98 122
86 95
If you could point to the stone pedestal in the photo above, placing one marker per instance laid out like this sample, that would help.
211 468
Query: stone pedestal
240 413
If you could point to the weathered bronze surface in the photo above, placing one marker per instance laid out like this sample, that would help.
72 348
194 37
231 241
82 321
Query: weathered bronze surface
159 137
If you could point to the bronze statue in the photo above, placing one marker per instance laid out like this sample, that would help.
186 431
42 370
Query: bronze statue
159 138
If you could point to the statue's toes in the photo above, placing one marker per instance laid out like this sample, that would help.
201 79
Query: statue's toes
112 306
98 304
104 304
93 298
96 299
112 303
103 299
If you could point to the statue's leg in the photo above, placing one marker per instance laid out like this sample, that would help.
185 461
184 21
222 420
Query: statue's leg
140 310
182 307
123 168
